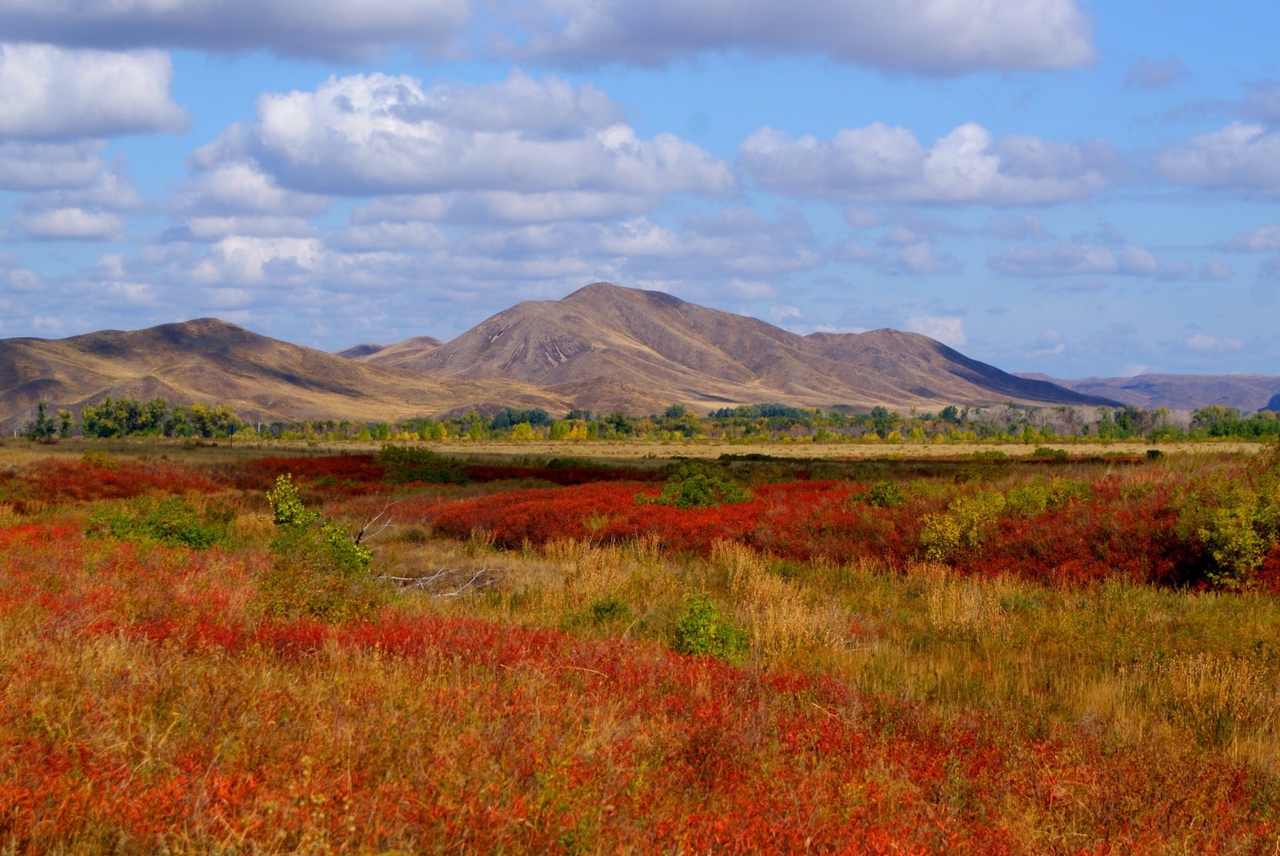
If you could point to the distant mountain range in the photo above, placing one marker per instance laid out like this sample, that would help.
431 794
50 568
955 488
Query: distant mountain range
1246 393
602 348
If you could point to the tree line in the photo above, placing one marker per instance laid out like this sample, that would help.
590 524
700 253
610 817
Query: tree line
129 417
123 417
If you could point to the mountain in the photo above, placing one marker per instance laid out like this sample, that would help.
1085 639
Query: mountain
602 348
1180 392
417 343
609 347
208 360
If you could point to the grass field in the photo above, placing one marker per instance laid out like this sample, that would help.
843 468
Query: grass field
858 655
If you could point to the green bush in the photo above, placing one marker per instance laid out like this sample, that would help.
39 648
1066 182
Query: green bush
696 484
1051 453
965 525
317 568
882 494
410 464
703 631
171 522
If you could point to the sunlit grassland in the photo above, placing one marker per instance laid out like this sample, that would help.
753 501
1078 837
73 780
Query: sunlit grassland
527 699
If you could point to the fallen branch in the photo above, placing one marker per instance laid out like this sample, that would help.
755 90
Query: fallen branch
479 579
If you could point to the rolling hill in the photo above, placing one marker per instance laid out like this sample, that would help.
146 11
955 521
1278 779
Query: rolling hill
1180 392
602 348
211 361
605 346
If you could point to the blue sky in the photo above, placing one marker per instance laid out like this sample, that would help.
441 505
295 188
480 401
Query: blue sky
1047 185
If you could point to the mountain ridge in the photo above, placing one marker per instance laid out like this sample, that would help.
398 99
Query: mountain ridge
601 348
640 338
1245 392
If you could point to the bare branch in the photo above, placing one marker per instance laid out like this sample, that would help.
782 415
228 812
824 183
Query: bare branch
443 577
389 522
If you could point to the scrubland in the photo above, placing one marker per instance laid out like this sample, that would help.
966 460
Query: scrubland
971 655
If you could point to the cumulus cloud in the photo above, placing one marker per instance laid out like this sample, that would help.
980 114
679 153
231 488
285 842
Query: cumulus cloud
1240 157
931 37
47 166
1149 73
949 330
1070 258
1260 240
241 187
49 92
879 163
374 134
344 29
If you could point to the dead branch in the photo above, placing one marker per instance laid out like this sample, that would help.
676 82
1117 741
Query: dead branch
479 579
360 536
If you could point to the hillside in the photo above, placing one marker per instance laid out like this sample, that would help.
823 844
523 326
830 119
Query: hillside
604 346
1180 392
211 361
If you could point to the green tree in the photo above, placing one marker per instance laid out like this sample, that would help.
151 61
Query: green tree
42 427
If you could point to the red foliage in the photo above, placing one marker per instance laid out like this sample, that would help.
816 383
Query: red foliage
261 473
55 480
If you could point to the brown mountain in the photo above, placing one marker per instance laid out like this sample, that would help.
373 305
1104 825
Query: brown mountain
607 347
602 348
214 362
417 343
1181 392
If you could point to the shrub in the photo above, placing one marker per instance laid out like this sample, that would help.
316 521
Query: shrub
964 526
171 522
882 494
318 569
408 464
703 631
1051 453
697 485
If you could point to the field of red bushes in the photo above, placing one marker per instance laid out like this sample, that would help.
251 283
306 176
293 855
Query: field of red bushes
148 704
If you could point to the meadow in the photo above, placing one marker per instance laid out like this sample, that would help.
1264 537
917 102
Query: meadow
254 649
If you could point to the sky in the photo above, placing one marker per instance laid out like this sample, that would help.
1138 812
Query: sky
1075 188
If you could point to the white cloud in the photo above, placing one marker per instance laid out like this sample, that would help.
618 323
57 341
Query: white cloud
1208 344
931 37
240 187
215 228
1149 73
918 259
324 28
1259 240
744 289
518 151
497 206
1215 271
878 163
72 224
1050 342
1240 157
1070 258
949 330
47 92
46 166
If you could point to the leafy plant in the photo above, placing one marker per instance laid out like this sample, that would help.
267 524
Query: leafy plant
703 631
318 569
882 494
410 464
698 485
171 522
